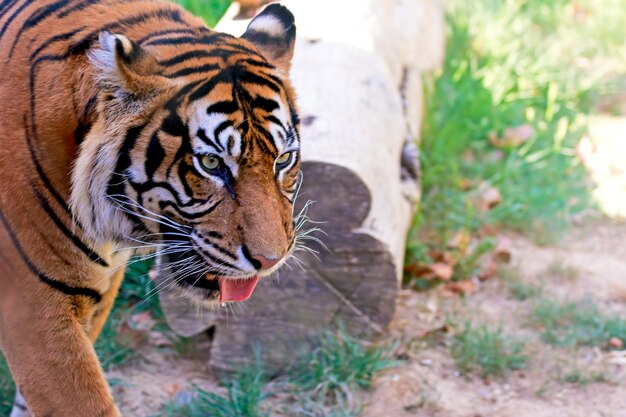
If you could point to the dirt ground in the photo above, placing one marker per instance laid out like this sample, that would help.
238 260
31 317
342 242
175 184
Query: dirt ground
590 261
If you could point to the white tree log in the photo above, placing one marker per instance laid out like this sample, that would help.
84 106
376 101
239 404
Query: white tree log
357 72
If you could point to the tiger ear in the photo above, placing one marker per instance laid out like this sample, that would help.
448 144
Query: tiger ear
273 32
126 66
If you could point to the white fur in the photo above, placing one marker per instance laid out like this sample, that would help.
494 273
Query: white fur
105 57
102 220
269 24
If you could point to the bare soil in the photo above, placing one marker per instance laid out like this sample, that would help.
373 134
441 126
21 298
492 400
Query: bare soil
590 262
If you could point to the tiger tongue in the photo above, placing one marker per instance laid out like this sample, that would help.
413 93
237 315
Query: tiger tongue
237 289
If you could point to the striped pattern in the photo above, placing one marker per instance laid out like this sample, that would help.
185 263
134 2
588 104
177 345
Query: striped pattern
229 101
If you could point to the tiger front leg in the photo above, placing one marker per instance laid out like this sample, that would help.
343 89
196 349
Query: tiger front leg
51 356
20 408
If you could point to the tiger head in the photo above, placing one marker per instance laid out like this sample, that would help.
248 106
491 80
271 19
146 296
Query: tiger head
195 153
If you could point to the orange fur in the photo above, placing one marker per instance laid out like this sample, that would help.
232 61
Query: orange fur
86 88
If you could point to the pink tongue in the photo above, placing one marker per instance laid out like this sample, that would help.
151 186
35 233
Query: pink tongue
237 289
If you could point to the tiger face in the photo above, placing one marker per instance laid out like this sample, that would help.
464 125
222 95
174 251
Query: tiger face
196 155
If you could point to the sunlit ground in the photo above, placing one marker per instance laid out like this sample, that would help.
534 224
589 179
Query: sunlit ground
604 153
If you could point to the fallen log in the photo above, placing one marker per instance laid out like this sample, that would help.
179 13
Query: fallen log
357 71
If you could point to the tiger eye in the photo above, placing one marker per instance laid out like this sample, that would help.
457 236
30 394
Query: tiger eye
283 158
210 162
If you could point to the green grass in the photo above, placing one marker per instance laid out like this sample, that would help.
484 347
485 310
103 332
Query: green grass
245 396
340 363
558 269
522 291
530 63
322 384
136 295
489 352
571 324
326 378
519 290
209 10
344 405
578 376
7 388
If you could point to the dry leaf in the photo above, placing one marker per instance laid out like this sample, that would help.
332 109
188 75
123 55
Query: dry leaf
489 269
461 287
468 156
502 253
489 229
444 328
417 270
137 339
173 389
461 241
465 184
436 255
142 321
490 198
442 271
616 343
447 258
513 136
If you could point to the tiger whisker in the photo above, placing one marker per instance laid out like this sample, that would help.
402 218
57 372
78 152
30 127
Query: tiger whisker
160 286
170 250
166 221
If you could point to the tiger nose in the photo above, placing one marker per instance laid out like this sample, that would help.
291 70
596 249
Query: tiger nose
261 262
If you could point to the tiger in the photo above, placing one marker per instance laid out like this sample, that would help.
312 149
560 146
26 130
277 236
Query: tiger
129 126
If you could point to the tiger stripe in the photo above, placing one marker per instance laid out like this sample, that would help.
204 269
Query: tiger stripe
129 123
57 285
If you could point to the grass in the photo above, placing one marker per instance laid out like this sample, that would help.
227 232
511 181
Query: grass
245 395
532 66
340 363
519 290
578 376
7 388
522 291
209 10
558 269
323 384
136 296
491 353
572 324
343 406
